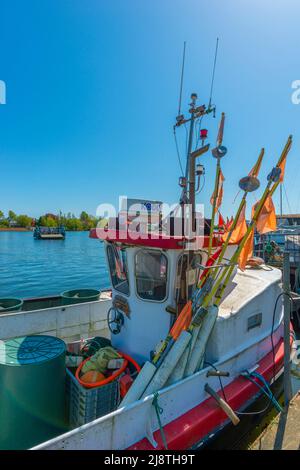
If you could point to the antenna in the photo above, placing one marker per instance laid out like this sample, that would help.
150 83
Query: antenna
213 74
181 80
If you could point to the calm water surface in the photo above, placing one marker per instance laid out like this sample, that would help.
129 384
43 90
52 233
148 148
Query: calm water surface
35 268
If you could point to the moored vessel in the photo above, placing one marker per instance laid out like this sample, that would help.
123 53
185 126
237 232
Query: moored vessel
199 334
49 233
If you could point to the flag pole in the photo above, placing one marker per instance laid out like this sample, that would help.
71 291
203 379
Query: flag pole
186 312
218 155
273 178
251 185
212 223
247 189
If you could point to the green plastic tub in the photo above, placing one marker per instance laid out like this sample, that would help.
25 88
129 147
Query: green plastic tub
32 392
10 305
79 296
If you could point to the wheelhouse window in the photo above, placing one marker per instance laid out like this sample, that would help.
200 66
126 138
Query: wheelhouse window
151 269
117 260
187 276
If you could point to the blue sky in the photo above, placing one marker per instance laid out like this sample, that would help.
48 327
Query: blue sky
92 93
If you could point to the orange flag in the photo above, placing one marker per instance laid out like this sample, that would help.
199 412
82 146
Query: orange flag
221 223
183 320
282 167
256 168
228 222
240 229
266 221
247 251
220 192
221 130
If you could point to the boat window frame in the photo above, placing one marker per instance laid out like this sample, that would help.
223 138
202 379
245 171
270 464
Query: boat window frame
161 252
110 246
185 253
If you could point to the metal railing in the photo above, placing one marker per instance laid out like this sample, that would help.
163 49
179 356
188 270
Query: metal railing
272 245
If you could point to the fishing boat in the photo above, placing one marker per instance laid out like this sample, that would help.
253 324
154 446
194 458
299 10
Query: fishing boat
271 248
49 233
291 221
204 337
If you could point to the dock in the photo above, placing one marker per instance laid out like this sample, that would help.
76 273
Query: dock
51 236
283 432
49 233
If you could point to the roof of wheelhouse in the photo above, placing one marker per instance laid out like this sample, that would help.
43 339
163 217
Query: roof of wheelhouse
152 240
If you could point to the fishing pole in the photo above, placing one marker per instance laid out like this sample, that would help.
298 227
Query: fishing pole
218 152
273 179
248 184
142 383
186 320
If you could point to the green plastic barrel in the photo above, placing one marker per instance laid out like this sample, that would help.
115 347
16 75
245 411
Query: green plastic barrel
32 391
78 296
10 305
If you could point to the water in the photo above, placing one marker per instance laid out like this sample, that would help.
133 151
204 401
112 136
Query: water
36 268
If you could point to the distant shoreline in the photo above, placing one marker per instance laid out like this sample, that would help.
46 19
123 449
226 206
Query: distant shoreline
14 229
21 229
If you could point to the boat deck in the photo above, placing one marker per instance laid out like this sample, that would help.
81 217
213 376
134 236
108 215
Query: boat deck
246 285
283 433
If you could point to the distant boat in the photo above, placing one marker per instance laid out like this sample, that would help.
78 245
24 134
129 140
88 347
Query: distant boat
271 246
289 221
49 233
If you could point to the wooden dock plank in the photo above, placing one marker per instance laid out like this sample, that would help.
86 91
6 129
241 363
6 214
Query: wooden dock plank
283 433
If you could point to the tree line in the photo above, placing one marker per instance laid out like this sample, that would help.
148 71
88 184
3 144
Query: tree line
84 222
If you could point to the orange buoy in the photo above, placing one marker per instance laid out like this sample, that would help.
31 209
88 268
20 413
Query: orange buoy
92 376
112 377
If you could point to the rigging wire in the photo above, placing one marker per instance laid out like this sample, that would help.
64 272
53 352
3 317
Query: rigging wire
298 201
203 184
179 108
199 189
186 137
287 199
181 80
178 153
198 123
235 197
213 73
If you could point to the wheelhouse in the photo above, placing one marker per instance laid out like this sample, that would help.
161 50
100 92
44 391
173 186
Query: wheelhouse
152 279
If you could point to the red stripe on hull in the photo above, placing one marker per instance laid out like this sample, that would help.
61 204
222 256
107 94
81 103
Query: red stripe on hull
196 424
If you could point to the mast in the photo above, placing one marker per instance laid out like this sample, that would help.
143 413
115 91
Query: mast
188 182
190 163
180 120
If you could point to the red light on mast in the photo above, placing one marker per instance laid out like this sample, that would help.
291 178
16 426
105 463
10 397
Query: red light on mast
203 134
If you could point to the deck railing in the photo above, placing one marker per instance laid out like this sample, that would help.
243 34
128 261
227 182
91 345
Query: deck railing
272 245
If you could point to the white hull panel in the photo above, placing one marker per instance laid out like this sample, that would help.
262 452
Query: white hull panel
128 425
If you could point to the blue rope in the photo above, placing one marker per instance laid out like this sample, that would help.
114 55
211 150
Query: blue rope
159 411
265 389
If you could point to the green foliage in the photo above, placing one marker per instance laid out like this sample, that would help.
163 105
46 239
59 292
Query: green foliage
23 221
84 222
84 216
74 224
12 216
4 223
69 221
